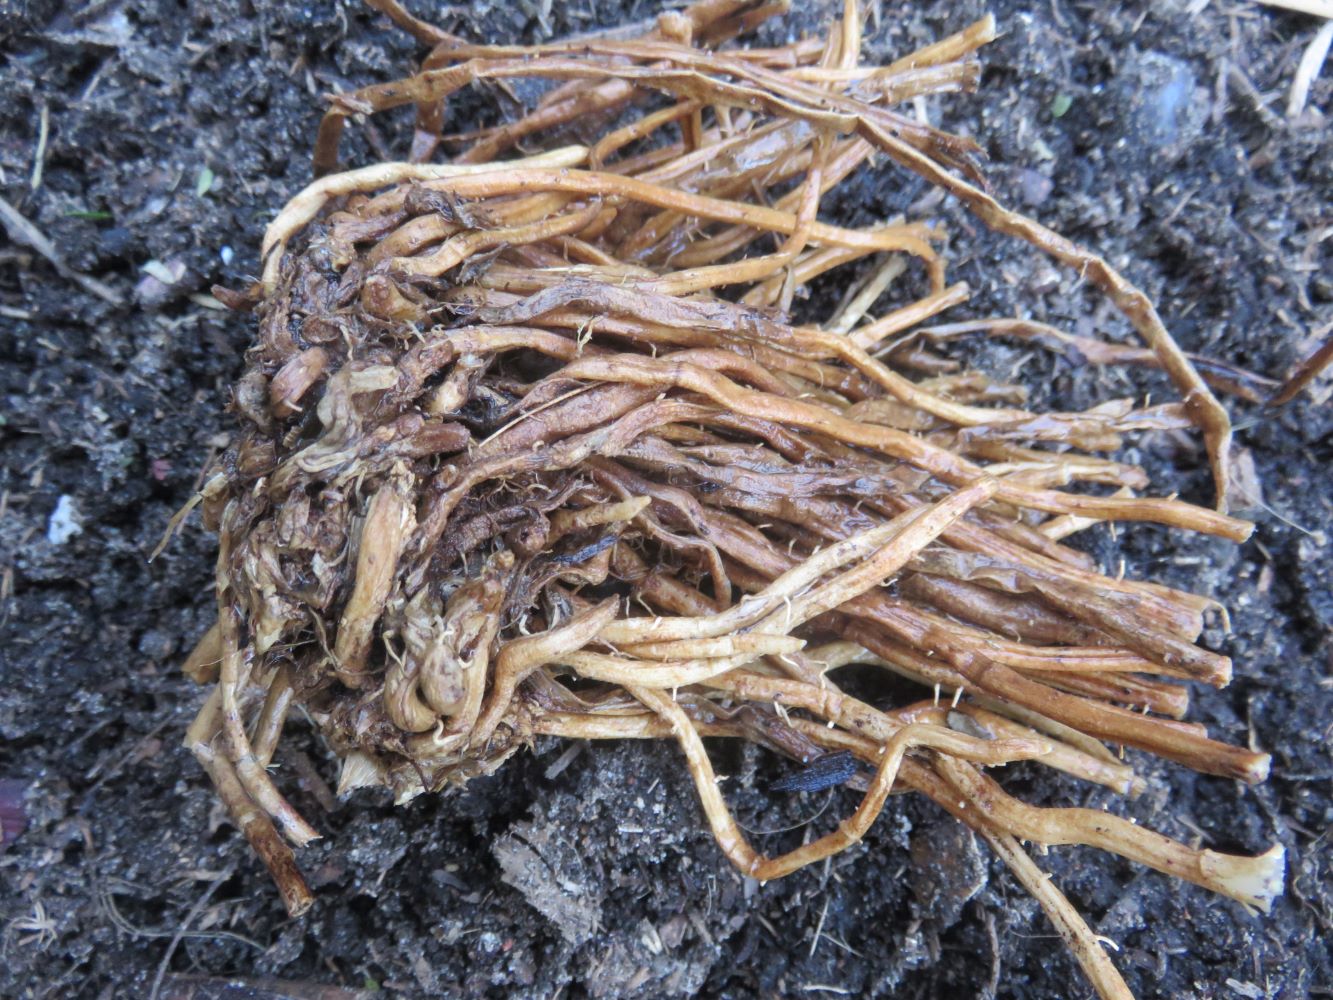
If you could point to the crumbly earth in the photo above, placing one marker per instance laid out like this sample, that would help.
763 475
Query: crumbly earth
1154 133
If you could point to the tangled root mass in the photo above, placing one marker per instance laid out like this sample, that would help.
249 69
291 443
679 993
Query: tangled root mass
533 445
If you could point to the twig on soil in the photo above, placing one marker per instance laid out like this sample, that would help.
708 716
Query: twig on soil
1316 8
39 154
106 899
1305 371
23 231
1307 70
1236 78
176 939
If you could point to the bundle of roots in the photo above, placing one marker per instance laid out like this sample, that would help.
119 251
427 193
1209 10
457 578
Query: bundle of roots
533 446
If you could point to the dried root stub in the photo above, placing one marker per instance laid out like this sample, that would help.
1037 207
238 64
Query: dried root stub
532 445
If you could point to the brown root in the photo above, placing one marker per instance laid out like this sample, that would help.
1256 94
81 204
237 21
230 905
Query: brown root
537 446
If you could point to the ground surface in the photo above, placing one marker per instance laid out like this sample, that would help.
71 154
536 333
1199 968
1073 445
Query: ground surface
592 874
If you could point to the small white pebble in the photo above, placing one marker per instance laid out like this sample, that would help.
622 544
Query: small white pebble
64 523
226 253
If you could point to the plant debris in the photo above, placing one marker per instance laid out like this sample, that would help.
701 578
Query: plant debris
535 446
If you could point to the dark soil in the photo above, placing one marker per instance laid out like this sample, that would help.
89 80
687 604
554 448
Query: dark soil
594 875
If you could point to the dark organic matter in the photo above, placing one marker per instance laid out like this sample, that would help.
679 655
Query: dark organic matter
110 412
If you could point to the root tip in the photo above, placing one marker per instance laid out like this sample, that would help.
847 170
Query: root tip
1254 881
